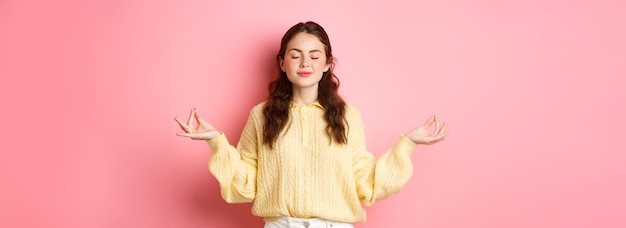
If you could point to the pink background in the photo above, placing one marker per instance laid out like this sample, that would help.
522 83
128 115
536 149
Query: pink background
533 91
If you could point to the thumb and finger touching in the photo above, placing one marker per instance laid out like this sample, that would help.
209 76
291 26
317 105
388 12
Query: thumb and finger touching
202 129
422 134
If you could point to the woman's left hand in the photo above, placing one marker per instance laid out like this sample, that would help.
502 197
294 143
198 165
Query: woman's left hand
422 135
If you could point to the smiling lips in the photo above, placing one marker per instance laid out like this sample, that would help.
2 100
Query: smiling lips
305 73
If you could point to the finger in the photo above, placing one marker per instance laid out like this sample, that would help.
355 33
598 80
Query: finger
193 136
437 126
182 125
188 135
190 119
429 122
436 139
438 136
199 119
442 138
443 130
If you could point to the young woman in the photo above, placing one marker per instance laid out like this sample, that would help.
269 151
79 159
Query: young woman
301 158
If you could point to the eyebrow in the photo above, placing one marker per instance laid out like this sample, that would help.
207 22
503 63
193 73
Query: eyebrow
298 50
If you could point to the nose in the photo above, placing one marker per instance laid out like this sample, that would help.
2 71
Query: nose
304 63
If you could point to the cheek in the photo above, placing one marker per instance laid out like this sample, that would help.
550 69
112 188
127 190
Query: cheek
290 63
319 65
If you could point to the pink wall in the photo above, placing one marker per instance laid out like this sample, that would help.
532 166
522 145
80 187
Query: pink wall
533 91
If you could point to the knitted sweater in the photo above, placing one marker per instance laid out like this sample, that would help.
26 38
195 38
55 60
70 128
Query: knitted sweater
306 175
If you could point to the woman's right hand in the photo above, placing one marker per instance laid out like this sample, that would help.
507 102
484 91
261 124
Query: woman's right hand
202 130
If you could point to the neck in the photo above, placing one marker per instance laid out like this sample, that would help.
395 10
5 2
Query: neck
305 96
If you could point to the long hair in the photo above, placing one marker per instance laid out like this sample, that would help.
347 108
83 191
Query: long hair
276 110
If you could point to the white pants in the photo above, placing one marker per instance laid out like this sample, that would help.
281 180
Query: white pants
289 222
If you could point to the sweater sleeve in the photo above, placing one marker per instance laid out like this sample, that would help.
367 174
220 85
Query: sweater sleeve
376 180
235 168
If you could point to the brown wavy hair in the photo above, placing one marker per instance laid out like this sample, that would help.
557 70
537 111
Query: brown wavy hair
276 110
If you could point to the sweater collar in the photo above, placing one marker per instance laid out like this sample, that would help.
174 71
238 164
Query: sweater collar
314 104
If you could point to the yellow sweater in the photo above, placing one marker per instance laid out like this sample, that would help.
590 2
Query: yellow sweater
305 175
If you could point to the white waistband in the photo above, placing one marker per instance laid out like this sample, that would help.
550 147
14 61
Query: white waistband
290 222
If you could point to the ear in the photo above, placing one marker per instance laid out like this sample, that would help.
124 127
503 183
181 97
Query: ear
282 64
327 66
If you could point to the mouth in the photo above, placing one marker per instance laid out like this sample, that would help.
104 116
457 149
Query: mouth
305 74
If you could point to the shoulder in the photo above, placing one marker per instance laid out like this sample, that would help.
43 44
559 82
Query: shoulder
256 113
352 112
258 108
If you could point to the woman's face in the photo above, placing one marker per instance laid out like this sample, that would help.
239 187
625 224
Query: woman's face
305 61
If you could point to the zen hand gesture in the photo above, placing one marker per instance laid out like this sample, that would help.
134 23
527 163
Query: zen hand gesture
422 135
202 130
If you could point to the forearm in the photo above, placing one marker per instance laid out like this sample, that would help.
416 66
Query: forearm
389 174
235 174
